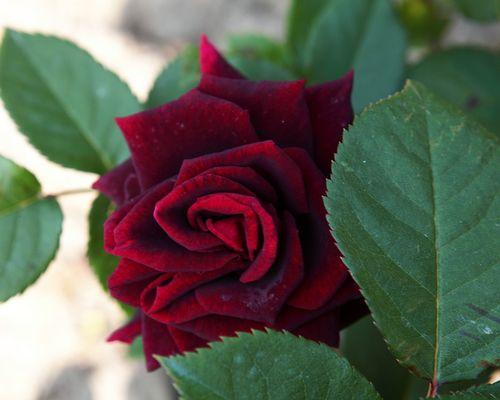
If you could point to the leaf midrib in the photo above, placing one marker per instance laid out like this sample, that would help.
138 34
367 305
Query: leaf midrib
106 163
432 179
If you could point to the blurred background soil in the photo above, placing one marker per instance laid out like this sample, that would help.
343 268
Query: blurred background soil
52 337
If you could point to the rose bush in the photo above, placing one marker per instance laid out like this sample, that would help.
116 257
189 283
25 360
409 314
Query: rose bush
220 223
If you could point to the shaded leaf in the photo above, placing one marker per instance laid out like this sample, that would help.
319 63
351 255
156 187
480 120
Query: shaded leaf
64 101
413 204
483 11
259 57
484 392
179 76
266 365
467 77
30 228
363 35
363 346
102 263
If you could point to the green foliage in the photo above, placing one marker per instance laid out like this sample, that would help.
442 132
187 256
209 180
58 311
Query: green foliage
64 101
363 346
259 57
467 77
102 263
178 77
363 35
269 365
413 204
30 227
480 10
485 392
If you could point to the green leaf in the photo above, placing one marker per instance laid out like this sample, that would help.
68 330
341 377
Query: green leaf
259 57
363 35
30 227
363 346
484 392
414 207
483 10
102 263
179 76
467 77
267 365
64 101
301 18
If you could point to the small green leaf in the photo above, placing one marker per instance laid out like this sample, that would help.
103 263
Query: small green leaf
363 346
102 263
467 77
30 227
259 57
302 16
485 392
483 10
267 365
64 101
414 206
363 35
179 76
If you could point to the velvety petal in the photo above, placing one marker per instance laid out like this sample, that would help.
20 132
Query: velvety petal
128 332
290 318
212 327
263 299
160 294
331 112
247 177
117 184
325 272
185 308
212 62
254 213
268 160
212 206
278 110
132 232
171 212
186 341
195 124
156 340
129 280
323 329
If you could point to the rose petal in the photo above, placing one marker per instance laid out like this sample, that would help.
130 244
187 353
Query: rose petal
331 112
323 329
278 110
171 212
268 160
325 272
263 299
128 332
186 341
185 308
195 124
156 340
212 62
212 327
132 232
117 184
128 281
161 293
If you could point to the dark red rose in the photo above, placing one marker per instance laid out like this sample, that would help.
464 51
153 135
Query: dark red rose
220 223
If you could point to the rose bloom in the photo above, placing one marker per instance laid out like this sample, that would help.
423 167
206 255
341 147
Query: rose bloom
220 222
